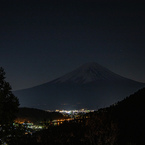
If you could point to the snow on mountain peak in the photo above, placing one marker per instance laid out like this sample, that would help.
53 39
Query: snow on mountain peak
89 72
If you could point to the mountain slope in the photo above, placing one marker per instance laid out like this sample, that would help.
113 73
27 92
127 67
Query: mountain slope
122 123
89 86
90 72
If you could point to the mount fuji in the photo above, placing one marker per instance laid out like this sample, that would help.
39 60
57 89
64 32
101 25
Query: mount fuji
90 86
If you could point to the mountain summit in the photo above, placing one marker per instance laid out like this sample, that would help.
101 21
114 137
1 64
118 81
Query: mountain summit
87 73
90 86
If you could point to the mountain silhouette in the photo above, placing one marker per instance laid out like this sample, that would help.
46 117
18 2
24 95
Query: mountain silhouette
87 73
90 86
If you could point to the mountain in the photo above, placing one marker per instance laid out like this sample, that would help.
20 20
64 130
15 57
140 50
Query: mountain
89 86
88 73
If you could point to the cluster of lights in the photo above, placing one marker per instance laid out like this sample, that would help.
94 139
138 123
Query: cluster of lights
74 111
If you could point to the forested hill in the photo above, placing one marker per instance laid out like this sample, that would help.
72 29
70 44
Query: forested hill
36 115
130 115
132 104
123 122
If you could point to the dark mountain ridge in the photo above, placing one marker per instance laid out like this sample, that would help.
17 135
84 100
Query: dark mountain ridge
89 86
88 73
36 115
123 122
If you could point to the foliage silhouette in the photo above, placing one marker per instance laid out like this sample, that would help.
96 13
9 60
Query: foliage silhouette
8 106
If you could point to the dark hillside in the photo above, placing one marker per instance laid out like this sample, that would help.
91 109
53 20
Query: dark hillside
37 115
130 114
122 123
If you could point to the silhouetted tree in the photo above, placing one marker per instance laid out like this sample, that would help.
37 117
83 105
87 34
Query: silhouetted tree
8 105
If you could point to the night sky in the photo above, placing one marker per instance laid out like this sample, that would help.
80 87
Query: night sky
43 40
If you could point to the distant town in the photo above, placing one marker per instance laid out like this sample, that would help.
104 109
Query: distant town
73 113
68 115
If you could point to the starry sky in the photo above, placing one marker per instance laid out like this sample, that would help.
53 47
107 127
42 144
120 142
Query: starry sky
43 40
